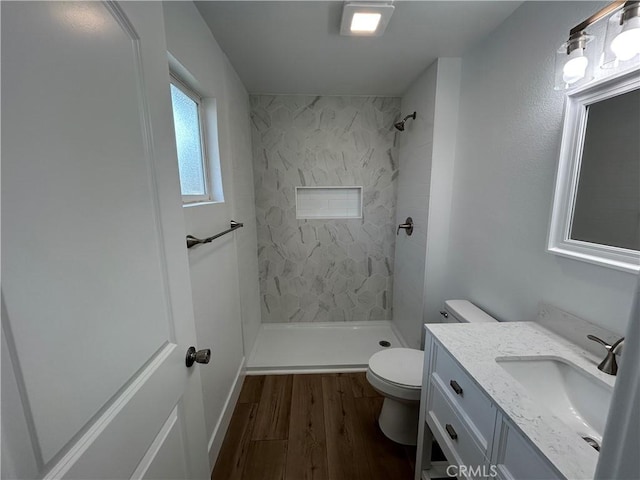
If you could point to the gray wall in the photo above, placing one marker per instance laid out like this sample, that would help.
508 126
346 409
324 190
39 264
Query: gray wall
445 130
325 270
414 182
223 274
425 190
243 208
508 145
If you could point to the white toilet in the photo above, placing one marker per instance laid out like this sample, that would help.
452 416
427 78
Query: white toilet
396 373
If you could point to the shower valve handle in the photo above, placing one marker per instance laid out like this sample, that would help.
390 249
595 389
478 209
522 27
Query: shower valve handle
407 225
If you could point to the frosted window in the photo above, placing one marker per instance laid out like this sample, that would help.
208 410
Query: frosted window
189 145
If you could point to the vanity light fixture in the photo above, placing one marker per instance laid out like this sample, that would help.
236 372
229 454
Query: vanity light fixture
622 42
572 61
365 19
575 60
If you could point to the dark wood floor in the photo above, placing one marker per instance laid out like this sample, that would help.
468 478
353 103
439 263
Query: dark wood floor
303 427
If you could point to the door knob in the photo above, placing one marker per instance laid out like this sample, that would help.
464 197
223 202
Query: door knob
200 356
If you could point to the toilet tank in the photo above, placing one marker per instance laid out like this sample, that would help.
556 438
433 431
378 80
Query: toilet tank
463 311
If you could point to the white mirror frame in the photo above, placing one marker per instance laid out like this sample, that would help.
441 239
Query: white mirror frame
573 132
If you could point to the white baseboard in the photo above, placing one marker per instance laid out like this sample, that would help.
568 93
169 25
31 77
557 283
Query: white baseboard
215 442
305 370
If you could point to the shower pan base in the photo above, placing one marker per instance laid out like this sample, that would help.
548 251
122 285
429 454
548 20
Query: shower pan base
318 347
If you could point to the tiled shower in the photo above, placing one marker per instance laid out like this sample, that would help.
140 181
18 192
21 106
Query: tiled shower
328 269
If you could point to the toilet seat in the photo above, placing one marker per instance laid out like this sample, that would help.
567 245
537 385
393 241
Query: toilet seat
393 384
401 367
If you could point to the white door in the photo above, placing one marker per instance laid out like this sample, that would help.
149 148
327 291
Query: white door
96 302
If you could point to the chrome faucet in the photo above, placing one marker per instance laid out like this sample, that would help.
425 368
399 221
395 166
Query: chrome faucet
609 364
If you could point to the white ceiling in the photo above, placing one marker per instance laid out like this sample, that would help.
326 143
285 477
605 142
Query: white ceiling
294 47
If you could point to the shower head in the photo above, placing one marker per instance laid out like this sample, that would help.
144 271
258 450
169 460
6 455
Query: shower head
400 125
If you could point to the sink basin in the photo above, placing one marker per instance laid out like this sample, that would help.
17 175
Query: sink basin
577 398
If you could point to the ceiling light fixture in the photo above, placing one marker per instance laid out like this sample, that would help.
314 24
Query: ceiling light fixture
365 19
575 62
365 22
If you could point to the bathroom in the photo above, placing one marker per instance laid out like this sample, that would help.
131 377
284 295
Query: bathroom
475 170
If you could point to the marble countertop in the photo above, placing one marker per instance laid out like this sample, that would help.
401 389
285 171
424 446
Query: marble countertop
476 346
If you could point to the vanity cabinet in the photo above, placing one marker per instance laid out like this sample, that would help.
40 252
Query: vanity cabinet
515 458
476 437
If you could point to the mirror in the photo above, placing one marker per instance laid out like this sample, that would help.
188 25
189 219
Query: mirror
607 205
596 208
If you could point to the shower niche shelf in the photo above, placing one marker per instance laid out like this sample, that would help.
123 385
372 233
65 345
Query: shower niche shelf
328 202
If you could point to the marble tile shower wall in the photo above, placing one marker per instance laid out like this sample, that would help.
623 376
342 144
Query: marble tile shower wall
329 270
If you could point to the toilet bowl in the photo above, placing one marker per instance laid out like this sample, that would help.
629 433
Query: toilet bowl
396 374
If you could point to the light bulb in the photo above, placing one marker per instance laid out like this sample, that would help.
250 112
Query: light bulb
576 67
626 44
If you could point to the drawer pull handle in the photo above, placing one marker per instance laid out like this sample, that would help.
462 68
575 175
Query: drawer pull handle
452 433
456 388
444 314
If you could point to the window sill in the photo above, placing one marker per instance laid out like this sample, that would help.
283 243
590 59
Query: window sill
203 203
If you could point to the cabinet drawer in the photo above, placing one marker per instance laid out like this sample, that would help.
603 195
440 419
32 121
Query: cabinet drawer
450 430
466 395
